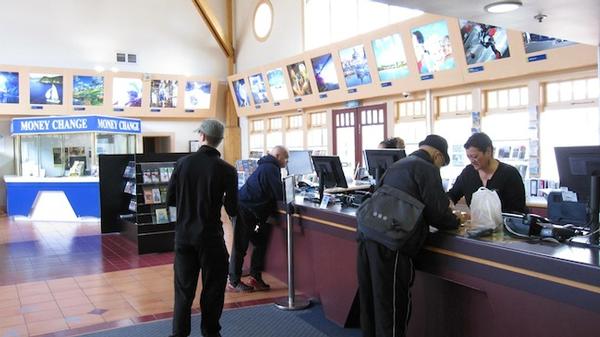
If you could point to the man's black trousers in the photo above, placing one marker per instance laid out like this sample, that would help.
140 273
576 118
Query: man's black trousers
244 232
210 258
384 279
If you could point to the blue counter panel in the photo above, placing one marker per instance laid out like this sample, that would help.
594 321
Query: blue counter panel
83 196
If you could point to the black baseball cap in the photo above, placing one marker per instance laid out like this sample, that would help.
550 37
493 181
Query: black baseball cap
439 143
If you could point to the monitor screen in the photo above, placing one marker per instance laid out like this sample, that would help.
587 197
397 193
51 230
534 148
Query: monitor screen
390 57
379 160
325 73
433 48
277 84
299 79
483 42
73 159
329 168
575 166
258 89
355 66
299 163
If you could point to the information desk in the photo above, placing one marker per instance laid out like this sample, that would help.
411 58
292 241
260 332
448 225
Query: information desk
497 286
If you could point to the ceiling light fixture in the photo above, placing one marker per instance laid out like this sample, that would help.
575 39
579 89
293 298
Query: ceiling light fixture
503 6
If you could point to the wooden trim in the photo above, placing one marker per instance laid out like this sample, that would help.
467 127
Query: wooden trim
215 28
517 270
497 265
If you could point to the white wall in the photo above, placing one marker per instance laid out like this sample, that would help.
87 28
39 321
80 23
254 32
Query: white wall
168 36
286 37
7 166
182 131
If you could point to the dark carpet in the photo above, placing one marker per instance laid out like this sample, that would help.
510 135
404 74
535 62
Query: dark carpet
259 321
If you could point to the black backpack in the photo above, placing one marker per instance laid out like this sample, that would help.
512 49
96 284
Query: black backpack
393 218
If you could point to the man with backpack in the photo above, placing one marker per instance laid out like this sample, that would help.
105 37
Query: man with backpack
392 227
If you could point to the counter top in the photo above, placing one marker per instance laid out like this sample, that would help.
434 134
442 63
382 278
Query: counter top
24 179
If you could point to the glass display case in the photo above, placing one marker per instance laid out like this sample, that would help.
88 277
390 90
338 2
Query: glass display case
53 155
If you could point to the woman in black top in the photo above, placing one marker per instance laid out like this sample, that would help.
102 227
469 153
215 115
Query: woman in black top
491 173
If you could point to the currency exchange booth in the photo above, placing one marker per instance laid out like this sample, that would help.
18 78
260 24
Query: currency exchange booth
57 164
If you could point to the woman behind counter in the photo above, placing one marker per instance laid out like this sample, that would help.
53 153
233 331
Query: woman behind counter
491 173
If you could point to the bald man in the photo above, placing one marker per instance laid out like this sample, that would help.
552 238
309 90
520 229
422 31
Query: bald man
257 201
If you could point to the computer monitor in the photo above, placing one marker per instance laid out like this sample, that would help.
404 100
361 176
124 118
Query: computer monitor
329 170
379 160
576 165
73 159
299 163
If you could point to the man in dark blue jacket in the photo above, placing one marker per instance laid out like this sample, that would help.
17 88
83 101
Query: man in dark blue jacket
258 200
385 275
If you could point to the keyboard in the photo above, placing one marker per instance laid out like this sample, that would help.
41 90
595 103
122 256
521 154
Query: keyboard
348 189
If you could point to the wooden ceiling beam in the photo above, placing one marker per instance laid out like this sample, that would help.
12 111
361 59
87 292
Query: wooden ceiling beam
225 41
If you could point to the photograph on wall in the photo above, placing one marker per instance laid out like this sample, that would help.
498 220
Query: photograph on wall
432 47
355 66
325 73
9 87
197 95
299 79
390 57
277 84
258 89
535 42
127 92
45 89
163 93
88 90
241 95
483 42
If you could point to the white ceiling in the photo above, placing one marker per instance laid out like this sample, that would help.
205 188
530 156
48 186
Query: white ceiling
575 20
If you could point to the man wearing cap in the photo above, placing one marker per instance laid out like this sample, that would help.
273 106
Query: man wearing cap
200 185
258 200
385 275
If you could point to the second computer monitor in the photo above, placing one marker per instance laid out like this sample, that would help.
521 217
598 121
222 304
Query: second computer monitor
329 169
299 163
576 164
379 160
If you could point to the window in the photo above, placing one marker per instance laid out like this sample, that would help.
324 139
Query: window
257 138
455 104
507 99
274 134
569 118
328 21
410 124
263 20
571 92
294 135
317 133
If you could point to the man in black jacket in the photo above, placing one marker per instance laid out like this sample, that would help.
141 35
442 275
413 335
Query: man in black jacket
258 200
386 275
200 185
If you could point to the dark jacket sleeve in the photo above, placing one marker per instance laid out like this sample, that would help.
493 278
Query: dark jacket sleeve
172 188
231 192
514 193
437 210
273 180
457 190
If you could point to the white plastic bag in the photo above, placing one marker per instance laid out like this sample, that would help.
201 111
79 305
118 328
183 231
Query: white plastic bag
486 209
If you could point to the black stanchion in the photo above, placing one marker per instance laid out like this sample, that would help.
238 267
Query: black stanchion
291 302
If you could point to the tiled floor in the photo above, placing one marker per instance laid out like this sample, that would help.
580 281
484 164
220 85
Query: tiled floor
63 279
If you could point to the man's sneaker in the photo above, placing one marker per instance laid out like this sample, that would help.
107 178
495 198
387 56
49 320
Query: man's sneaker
258 284
239 287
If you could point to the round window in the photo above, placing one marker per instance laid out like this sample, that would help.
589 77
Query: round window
263 20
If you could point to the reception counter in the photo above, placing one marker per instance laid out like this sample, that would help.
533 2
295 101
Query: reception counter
497 286
48 198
